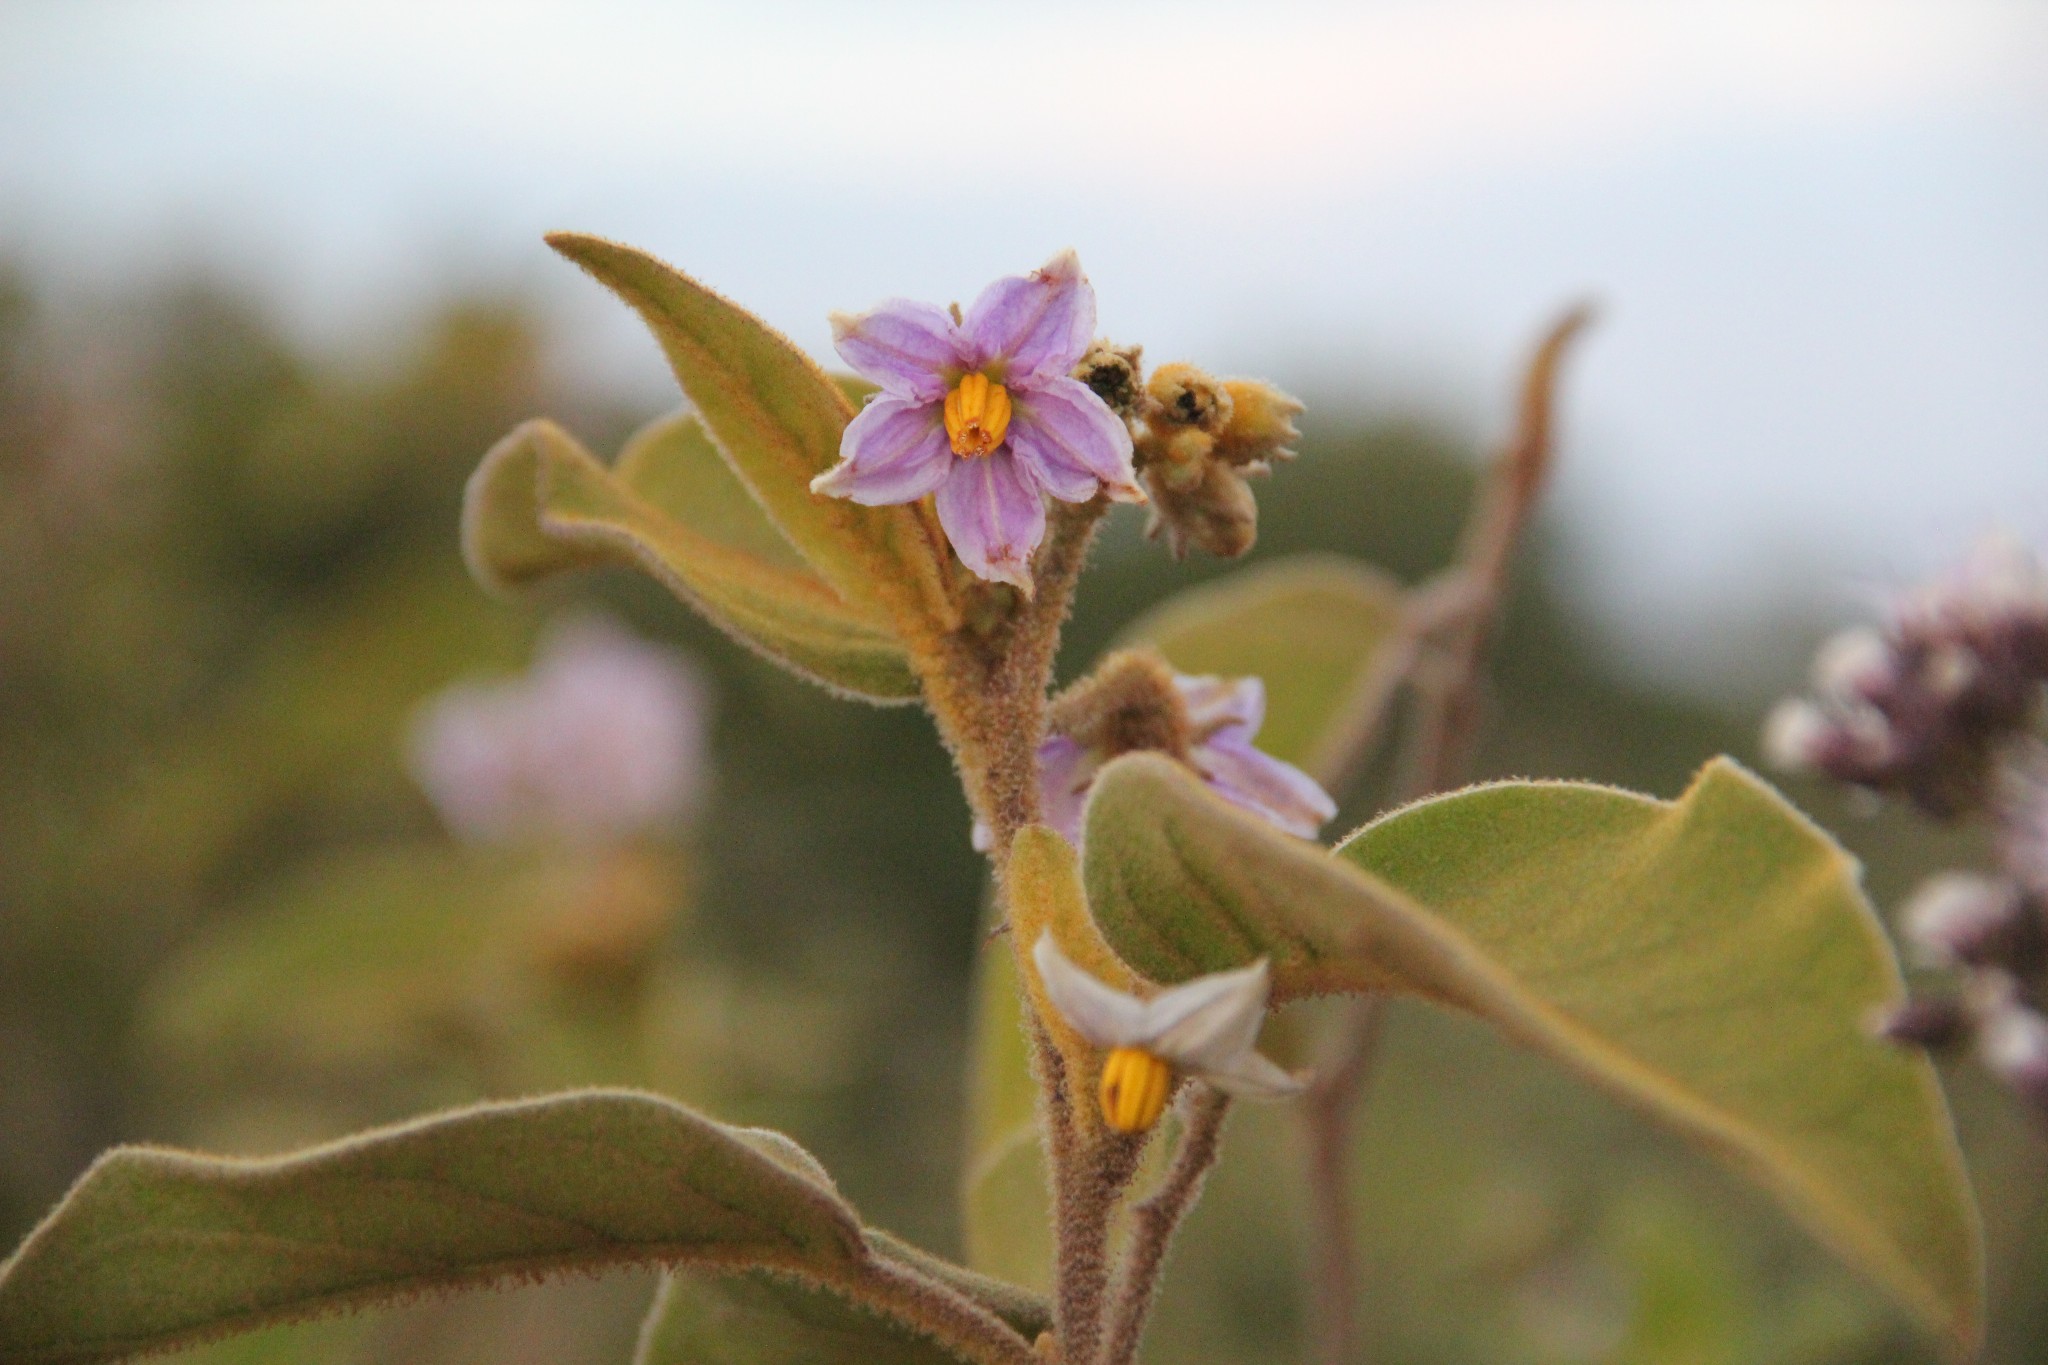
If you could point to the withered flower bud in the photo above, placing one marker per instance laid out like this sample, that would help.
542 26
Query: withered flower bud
1181 395
1217 514
1116 376
1200 437
1936 1023
1261 428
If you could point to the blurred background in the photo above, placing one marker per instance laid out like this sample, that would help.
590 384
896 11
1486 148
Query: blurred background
271 282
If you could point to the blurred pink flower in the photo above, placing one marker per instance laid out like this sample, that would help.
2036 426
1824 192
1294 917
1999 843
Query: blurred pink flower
602 738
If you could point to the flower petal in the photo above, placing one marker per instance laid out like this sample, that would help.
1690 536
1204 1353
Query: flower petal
1207 1022
1281 792
1100 1013
1251 1076
1038 325
1073 442
1064 772
1219 703
905 346
894 450
993 514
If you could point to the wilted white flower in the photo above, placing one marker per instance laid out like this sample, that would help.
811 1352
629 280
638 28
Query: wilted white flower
602 738
1204 1029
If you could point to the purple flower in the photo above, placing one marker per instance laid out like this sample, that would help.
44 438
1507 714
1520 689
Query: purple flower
983 412
601 740
1223 716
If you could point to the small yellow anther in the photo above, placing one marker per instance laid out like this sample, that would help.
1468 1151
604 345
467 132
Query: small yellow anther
977 416
1134 1088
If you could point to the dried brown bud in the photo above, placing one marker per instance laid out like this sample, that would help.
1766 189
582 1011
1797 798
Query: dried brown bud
1261 429
1179 395
1115 375
1216 513
1128 703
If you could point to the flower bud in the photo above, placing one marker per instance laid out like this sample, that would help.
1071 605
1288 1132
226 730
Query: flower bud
1934 1023
2014 1045
1114 373
1181 395
1855 665
1218 514
1795 735
1960 918
2024 826
1261 428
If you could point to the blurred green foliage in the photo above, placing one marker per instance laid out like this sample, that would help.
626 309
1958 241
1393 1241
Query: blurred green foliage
228 571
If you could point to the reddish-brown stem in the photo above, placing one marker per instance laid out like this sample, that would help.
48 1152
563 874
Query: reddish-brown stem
1157 1219
1446 668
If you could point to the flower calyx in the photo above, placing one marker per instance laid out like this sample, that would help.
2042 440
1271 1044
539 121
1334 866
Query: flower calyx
1204 1029
1135 702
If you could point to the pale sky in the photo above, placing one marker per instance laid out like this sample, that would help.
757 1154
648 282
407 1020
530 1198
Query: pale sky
1819 227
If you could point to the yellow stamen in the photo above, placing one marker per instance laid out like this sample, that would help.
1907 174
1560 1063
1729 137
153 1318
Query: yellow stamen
1134 1086
977 415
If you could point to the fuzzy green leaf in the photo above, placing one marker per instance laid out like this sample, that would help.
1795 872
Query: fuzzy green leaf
541 505
1710 960
155 1249
763 1319
778 418
1314 627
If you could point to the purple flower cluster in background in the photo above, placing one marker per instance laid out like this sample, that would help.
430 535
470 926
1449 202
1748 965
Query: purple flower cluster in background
1925 706
984 412
602 739
1943 707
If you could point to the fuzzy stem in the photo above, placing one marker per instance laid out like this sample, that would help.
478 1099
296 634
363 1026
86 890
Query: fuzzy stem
986 688
1331 1108
1087 1187
1159 1217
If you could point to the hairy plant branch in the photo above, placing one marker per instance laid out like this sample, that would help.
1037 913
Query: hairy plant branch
1157 1219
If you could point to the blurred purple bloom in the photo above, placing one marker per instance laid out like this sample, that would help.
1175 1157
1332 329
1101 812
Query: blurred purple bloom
983 413
601 739
1224 716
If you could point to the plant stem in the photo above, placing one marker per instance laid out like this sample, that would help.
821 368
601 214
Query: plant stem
1330 1109
986 685
1449 682
1159 1217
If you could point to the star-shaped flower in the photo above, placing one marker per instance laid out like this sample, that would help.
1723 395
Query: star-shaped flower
1203 1029
982 411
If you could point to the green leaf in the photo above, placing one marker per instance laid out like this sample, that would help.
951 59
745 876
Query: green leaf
778 418
763 1319
1711 961
1314 627
541 505
155 1249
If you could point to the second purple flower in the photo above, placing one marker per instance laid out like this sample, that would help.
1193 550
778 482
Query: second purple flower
982 411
